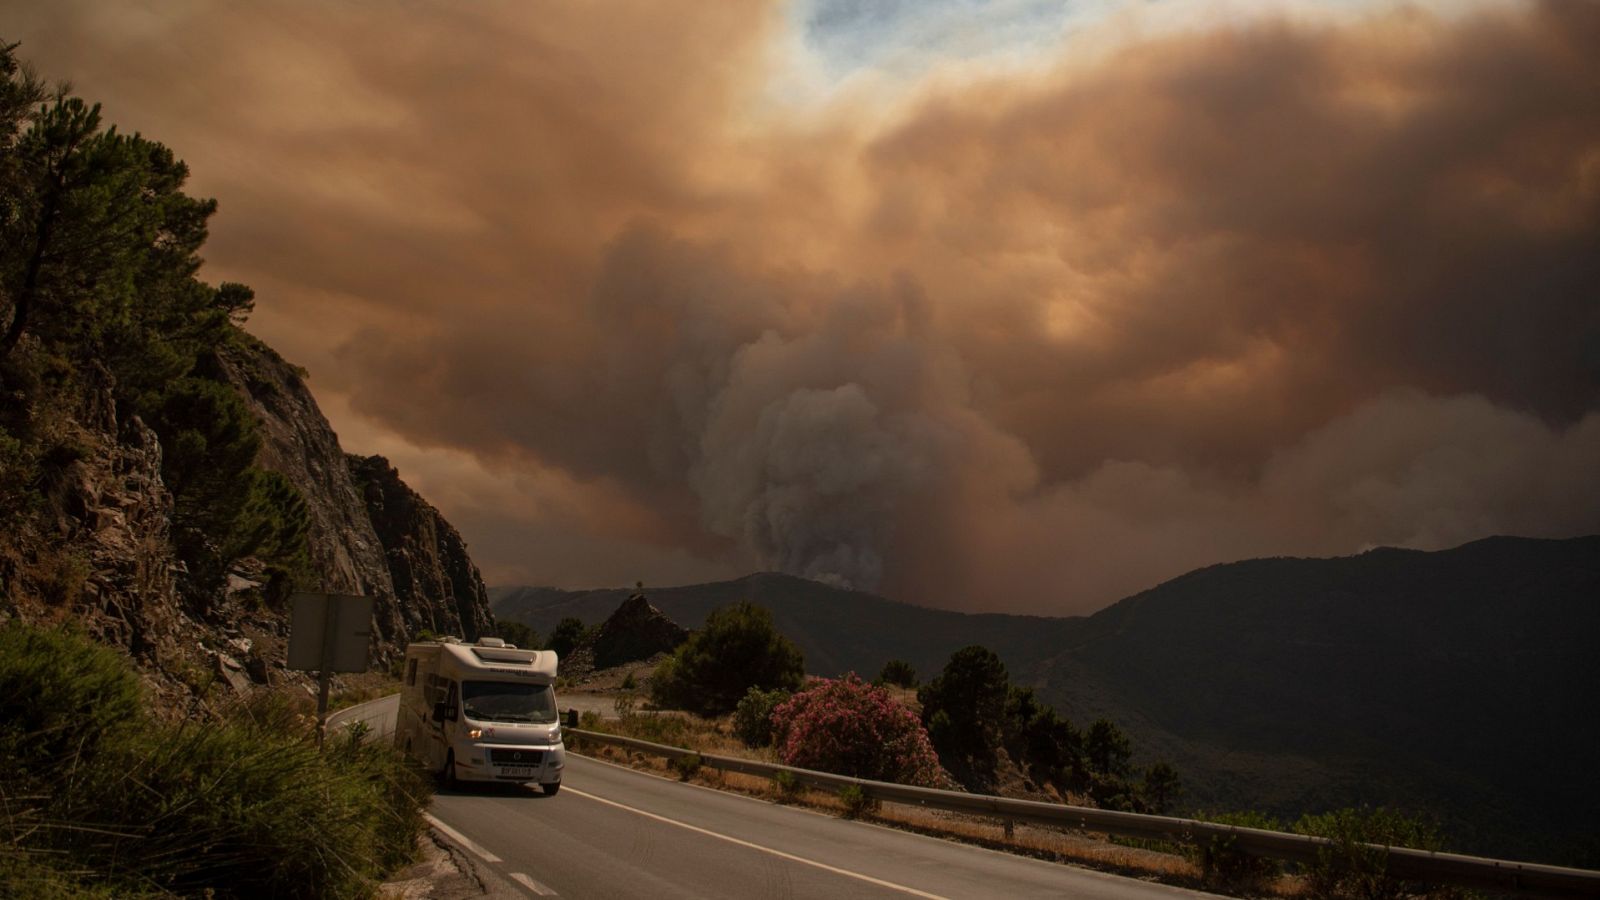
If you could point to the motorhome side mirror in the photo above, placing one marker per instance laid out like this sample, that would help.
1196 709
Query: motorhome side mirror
440 711
572 718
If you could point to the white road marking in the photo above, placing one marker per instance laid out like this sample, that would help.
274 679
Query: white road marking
742 843
461 839
532 885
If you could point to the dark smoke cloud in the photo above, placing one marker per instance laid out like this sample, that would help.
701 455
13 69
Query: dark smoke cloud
1023 343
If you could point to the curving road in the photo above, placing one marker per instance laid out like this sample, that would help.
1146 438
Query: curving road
614 832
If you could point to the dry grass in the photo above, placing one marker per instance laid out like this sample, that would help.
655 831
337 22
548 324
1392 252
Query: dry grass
1042 842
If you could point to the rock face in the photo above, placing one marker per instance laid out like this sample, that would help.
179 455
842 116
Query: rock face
436 585
370 534
128 510
105 535
97 545
635 631
98 551
298 443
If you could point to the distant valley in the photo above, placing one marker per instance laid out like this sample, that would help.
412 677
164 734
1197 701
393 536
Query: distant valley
1462 682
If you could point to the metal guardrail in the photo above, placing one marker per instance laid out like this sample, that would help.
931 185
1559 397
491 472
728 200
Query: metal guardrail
1530 879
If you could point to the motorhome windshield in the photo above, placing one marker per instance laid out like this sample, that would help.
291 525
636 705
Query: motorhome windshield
500 701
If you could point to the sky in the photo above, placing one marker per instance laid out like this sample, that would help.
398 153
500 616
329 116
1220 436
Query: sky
995 306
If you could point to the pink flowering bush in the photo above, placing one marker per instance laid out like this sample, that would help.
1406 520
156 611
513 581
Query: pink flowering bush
849 727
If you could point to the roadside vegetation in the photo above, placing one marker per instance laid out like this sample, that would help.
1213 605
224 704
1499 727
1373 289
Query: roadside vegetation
737 649
101 798
969 728
1213 866
849 727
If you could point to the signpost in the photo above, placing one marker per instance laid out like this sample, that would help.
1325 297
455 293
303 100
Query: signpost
329 633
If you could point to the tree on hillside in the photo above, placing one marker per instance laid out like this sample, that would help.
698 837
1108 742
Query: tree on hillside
1109 755
101 248
224 508
739 648
1039 739
273 526
569 633
99 253
964 710
516 633
20 93
899 673
1107 750
1161 788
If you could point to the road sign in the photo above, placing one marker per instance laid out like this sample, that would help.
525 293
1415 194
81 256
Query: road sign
329 632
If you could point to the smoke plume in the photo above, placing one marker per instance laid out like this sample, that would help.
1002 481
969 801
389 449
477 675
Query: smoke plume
1025 337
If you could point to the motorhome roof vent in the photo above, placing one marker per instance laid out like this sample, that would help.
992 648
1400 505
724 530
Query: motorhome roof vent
506 655
490 642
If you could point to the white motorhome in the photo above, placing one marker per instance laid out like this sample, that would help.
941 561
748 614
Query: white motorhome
482 712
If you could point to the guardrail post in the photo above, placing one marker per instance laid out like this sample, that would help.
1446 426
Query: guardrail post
1011 828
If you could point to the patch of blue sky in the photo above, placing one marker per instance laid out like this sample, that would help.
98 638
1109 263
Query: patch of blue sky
904 37
867 48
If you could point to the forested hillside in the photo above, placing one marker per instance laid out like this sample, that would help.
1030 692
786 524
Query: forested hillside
1462 682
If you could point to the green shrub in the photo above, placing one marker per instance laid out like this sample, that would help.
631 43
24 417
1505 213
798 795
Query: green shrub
248 807
38 876
241 807
18 473
849 727
856 802
685 765
61 696
61 577
736 650
626 706
752 720
1351 867
787 784
1222 864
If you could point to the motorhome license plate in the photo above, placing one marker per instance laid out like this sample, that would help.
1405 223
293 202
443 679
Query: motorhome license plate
517 771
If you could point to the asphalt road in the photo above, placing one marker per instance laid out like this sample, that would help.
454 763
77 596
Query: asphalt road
613 832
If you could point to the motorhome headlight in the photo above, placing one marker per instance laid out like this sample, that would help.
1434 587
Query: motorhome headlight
555 735
475 733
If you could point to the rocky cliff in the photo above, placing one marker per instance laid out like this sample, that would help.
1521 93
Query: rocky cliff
98 550
97 547
436 586
370 533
